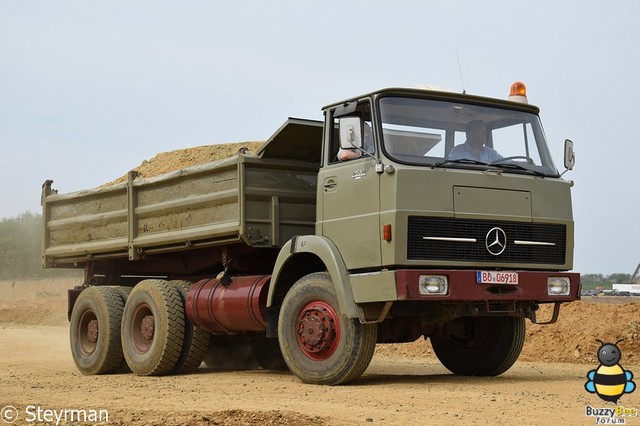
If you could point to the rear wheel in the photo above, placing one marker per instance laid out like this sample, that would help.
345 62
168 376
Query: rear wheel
124 292
319 344
196 341
153 328
95 331
480 346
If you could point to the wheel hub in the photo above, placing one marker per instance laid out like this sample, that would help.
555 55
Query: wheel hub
142 328
318 330
92 331
147 327
87 332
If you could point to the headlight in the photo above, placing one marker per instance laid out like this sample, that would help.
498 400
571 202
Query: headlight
433 285
558 286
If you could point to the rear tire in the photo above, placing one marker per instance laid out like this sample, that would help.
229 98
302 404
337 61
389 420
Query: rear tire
95 331
124 292
480 346
153 328
318 343
196 341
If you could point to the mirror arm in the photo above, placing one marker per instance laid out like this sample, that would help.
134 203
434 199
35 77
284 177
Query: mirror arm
365 153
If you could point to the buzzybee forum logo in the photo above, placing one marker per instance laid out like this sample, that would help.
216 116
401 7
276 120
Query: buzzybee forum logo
610 380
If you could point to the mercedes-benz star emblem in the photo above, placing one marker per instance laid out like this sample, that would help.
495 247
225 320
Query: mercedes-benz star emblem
496 241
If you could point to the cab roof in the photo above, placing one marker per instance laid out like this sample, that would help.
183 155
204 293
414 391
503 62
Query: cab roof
441 95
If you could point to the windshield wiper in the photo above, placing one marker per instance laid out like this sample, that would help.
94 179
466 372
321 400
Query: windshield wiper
516 166
496 165
459 161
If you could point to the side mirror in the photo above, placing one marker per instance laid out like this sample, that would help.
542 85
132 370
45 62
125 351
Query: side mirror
350 132
569 155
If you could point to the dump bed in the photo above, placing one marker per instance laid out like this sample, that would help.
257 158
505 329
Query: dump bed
259 200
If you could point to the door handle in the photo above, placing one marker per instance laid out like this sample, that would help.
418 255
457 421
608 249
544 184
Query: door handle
330 184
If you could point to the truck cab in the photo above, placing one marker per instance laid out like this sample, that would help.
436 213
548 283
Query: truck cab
430 203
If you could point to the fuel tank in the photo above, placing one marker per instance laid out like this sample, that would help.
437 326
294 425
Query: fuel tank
236 308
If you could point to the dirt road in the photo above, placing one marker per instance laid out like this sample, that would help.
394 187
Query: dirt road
405 384
36 370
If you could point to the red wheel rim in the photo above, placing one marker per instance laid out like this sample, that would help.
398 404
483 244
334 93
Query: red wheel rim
318 330
87 333
142 328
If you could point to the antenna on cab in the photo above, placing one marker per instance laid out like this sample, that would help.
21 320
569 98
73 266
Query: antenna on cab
464 91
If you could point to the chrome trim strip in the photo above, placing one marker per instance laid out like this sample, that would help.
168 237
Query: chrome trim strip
532 243
452 239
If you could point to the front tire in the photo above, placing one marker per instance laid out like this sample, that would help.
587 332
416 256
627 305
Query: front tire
320 345
480 346
95 331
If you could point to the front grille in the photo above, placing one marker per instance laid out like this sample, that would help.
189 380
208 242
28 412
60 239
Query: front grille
452 241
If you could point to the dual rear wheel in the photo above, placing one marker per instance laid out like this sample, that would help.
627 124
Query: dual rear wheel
144 329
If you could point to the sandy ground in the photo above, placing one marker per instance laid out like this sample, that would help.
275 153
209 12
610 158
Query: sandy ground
404 385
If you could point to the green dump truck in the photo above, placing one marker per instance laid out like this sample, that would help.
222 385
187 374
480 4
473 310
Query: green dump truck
449 222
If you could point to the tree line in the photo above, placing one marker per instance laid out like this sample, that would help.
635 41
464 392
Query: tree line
592 281
20 246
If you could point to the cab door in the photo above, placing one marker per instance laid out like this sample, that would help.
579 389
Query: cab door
350 207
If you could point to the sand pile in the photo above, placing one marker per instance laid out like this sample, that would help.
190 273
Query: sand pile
166 162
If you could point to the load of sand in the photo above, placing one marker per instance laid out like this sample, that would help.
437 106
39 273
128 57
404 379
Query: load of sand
166 162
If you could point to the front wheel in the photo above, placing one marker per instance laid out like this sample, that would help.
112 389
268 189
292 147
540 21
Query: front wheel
318 343
480 346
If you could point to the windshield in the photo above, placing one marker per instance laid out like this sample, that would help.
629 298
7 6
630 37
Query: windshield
439 133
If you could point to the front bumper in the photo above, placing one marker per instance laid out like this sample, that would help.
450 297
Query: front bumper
462 286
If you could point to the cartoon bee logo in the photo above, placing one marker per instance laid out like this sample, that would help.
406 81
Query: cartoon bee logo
609 381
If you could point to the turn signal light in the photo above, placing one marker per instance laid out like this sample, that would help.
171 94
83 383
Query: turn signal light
386 232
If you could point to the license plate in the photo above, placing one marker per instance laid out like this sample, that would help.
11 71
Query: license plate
496 277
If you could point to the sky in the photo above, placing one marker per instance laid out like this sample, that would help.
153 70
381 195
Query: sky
90 89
